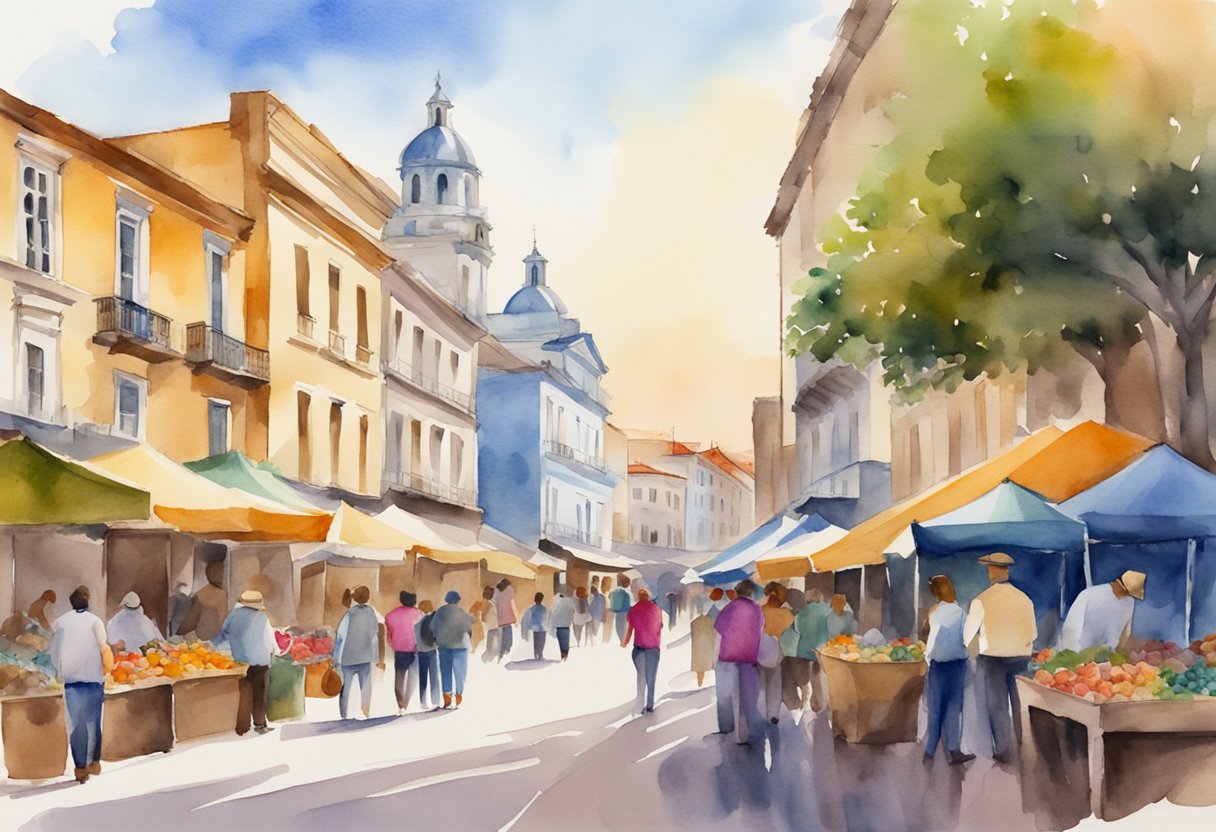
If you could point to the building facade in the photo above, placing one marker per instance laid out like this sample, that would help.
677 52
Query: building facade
113 265
656 506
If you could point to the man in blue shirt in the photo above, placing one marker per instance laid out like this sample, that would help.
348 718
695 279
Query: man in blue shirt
947 656
250 638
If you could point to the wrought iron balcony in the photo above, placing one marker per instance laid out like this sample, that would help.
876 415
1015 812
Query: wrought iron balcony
427 487
564 451
125 326
417 378
556 531
225 357
337 343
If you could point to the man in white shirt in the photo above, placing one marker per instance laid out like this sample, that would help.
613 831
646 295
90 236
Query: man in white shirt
1002 617
1101 616
947 677
82 659
130 627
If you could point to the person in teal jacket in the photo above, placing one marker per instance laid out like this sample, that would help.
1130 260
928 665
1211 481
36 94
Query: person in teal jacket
619 603
811 630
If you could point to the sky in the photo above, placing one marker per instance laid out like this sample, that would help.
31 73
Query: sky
643 140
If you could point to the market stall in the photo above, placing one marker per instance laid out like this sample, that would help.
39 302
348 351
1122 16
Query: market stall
874 688
1048 547
736 562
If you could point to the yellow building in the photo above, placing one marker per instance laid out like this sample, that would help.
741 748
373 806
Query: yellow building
113 268
312 295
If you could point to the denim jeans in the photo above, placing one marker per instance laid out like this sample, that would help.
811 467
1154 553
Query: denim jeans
350 672
538 644
428 676
506 635
83 701
997 677
563 640
646 660
737 687
405 677
944 701
453 667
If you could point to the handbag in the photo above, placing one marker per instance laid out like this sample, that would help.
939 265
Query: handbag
331 682
770 651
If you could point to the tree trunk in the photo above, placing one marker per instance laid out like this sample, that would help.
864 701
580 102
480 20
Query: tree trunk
1193 423
1167 361
1132 392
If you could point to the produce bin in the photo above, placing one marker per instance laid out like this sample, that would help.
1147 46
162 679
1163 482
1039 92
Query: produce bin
35 734
873 702
137 721
286 697
313 675
1135 753
206 705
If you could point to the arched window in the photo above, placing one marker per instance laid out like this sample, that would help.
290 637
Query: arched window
438 116
416 189
535 274
441 188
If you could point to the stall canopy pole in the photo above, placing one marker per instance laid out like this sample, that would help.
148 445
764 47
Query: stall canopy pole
916 590
1089 575
1190 585
1063 578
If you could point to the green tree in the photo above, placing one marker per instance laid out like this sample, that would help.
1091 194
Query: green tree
1046 190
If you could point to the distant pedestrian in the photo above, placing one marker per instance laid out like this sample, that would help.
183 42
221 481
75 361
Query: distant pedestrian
1002 618
561 620
737 682
453 629
536 622
840 620
704 647
717 600
506 614
130 629
811 626
399 624
582 614
485 622
356 646
947 677
644 625
777 619
427 656
795 668
672 601
250 639
609 614
597 609
620 602
82 658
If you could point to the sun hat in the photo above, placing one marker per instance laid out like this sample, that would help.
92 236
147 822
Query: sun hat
252 598
130 601
1133 582
997 559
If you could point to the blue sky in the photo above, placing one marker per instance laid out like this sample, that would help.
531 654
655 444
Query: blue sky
559 99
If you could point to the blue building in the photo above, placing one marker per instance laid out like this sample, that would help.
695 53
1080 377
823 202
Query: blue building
542 471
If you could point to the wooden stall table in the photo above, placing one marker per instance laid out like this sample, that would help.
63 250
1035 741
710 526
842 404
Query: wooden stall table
1166 748
136 721
205 704
873 702
34 728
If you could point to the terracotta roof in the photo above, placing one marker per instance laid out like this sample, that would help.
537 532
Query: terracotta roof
643 468
680 449
720 459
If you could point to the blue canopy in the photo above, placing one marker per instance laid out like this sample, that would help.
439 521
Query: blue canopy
1161 496
1008 515
738 561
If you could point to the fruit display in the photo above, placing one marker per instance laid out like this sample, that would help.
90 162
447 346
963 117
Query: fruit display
1159 670
856 649
1105 681
1166 654
1197 680
165 660
306 648
25 663
1205 648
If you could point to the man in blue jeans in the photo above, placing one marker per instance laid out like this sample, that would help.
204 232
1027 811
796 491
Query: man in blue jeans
947 655
82 658
453 631
644 624
355 648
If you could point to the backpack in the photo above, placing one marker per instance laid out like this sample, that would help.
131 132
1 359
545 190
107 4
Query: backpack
426 630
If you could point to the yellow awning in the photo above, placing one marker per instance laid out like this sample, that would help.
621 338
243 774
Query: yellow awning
197 505
354 528
498 562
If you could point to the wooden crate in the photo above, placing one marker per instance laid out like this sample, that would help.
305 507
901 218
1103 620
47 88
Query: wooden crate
35 736
873 702
206 705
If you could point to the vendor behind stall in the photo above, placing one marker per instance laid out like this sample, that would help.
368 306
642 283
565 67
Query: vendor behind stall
209 606
130 628
1101 616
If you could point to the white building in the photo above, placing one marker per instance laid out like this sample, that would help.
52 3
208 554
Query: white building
656 506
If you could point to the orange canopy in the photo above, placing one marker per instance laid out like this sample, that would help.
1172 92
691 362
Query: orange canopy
1050 462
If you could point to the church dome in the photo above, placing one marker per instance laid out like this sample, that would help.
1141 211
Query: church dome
438 144
534 299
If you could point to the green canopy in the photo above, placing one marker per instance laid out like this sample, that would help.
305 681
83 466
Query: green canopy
41 488
235 470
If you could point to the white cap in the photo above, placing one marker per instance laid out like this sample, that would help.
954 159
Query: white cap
130 601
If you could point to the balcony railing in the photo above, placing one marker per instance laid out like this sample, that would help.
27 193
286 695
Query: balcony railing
126 326
569 452
428 487
421 380
306 325
559 532
226 356
337 343
363 355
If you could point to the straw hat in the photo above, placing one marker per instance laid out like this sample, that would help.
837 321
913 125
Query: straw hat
251 598
997 559
1133 582
130 601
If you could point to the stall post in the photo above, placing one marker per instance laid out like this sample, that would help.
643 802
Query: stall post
1190 586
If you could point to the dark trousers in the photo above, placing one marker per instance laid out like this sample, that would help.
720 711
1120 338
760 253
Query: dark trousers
428 676
944 701
563 640
403 660
82 701
252 701
538 644
997 675
646 661
506 636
